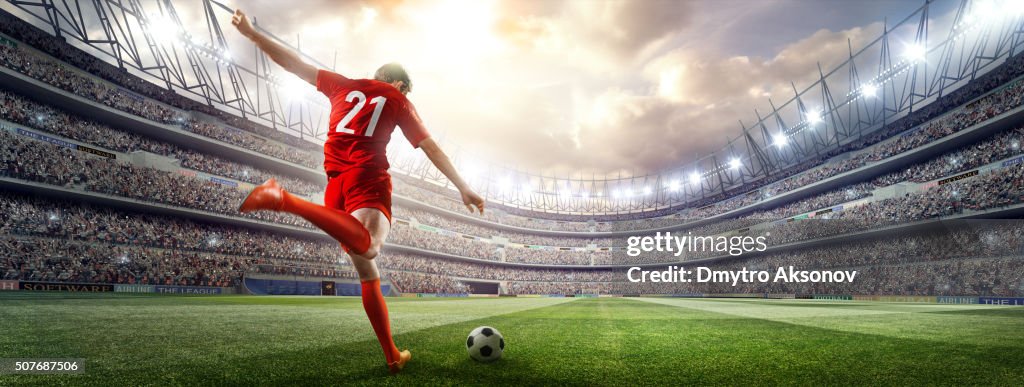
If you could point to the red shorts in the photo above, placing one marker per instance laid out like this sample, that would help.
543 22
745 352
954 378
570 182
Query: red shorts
359 188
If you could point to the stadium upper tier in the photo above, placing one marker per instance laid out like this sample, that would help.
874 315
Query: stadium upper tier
59 48
177 111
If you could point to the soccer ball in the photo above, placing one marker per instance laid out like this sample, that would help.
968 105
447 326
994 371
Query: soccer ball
485 344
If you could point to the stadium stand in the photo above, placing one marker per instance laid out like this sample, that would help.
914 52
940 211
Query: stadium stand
437 248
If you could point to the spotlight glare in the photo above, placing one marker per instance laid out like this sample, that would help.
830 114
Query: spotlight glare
988 11
869 90
162 28
648 191
695 178
505 184
915 52
780 140
294 89
813 117
674 186
735 163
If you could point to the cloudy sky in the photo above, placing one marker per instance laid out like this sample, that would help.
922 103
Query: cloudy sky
587 85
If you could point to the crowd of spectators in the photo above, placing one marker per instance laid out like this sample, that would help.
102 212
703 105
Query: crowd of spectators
21 110
33 160
56 260
47 240
936 120
27 216
59 74
974 259
28 159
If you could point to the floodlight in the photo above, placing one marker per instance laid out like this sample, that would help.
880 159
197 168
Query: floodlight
869 90
695 178
780 140
813 117
915 52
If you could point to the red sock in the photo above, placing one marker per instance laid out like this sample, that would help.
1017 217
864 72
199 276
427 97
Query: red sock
377 311
338 224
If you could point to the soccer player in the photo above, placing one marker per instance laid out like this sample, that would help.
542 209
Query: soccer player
357 210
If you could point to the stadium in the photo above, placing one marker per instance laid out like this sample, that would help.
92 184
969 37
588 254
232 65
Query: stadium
129 143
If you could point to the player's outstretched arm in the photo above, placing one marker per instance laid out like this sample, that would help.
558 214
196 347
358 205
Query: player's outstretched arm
281 55
437 156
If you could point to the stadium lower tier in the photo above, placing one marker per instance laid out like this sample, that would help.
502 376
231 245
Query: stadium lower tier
47 240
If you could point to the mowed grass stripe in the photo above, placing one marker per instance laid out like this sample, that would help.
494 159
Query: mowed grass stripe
966 324
163 339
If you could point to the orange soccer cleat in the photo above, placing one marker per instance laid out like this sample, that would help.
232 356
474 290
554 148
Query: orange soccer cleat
403 358
266 196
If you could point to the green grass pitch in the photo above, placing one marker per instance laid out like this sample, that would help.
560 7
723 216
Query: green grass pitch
249 340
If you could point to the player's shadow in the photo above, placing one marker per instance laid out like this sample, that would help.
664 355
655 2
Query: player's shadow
358 363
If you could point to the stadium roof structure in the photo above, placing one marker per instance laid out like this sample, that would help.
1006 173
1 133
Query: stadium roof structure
909 65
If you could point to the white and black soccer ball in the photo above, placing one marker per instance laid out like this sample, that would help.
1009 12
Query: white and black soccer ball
485 344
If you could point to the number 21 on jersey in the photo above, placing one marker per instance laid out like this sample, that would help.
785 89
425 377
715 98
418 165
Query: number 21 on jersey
360 98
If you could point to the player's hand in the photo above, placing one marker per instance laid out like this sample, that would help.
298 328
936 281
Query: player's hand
241 22
472 201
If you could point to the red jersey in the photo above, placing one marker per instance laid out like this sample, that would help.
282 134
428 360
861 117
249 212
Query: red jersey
364 113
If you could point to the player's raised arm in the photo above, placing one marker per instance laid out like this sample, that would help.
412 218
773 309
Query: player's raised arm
437 156
281 55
